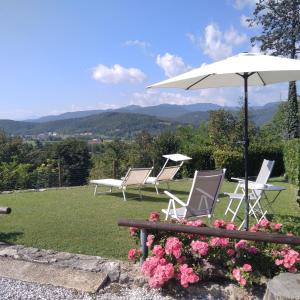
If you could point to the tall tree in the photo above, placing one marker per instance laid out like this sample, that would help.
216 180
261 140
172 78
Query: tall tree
280 23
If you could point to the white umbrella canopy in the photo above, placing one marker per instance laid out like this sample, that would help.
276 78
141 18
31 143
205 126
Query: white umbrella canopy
226 73
243 69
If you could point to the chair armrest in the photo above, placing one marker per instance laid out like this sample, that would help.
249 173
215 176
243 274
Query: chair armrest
241 180
237 179
174 198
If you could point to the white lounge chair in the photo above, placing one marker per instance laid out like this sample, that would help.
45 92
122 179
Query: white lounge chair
255 193
202 198
134 177
167 174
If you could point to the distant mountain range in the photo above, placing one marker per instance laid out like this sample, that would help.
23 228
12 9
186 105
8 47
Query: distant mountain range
127 121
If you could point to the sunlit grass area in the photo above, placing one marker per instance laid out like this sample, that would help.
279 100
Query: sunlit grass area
73 220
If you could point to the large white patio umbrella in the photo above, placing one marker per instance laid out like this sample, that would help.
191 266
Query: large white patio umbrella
244 69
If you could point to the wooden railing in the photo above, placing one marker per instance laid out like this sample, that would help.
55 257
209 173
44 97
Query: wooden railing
208 231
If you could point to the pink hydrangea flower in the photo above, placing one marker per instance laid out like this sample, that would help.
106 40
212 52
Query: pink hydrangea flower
196 223
254 228
162 274
219 224
154 216
133 231
247 268
236 274
230 226
252 250
242 244
150 240
264 223
243 281
199 247
133 254
149 265
187 276
173 246
230 252
276 226
158 251
219 242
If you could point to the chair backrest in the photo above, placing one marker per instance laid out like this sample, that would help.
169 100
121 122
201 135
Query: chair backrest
264 174
265 171
136 176
167 173
204 192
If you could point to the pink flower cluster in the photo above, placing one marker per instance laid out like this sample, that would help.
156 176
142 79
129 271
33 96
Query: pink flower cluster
265 225
199 247
133 231
187 276
243 244
219 242
289 259
154 216
134 254
150 240
239 274
159 271
222 224
174 246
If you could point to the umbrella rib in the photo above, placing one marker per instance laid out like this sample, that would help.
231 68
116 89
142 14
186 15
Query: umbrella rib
198 81
261 78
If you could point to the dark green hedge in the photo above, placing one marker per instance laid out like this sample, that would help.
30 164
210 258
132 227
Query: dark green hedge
257 153
292 160
233 160
202 159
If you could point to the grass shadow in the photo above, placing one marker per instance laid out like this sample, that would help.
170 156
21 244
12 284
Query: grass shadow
10 237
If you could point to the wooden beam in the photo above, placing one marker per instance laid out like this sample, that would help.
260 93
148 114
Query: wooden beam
209 231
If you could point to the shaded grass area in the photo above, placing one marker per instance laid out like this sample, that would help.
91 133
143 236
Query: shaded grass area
73 220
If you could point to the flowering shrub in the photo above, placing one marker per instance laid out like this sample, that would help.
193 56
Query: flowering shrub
184 257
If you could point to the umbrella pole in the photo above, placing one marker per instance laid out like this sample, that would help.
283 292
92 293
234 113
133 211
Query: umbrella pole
246 145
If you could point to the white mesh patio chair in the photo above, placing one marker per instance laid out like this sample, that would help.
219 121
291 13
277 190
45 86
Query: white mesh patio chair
255 194
167 174
202 198
134 177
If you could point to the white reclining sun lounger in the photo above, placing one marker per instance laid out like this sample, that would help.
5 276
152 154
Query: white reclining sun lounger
134 176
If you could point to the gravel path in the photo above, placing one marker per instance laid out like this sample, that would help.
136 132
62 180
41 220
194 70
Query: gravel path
20 290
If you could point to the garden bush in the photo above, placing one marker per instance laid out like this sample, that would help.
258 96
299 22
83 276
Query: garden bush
187 257
202 159
232 160
258 152
292 160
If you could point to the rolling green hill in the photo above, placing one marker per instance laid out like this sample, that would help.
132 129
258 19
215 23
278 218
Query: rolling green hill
113 124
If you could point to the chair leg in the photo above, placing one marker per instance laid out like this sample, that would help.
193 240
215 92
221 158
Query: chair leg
156 188
124 195
237 210
95 191
228 207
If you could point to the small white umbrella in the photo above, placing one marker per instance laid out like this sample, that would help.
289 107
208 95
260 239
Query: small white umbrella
243 69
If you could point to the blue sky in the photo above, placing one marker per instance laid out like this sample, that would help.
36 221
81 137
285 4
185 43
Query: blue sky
64 55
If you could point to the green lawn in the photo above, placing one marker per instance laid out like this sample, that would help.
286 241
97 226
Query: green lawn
74 220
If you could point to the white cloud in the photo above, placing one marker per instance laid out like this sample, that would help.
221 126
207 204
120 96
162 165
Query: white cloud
117 74
231 36
217 44
142 44
221 96
241 4
171 64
